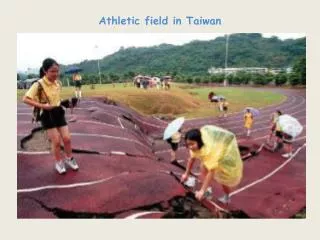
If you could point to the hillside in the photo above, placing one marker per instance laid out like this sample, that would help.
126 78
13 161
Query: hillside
245 50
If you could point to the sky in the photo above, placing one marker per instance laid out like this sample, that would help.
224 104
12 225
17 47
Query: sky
69 48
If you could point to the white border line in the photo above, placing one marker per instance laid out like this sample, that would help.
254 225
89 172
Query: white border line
120 123
81 184
139 214
270 174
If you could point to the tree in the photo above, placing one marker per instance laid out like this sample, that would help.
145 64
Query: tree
281 79
114 77
18 77
294 78
230 78
197 80
260 79
31 75
205 79
189 80
299 68
195 58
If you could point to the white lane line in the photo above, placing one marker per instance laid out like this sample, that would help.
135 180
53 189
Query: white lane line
19 121
120 123
29 114
107 136
81 184
270 174
139 214
239 141
98 123
33 153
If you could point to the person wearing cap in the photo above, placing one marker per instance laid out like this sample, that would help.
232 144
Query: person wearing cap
220 159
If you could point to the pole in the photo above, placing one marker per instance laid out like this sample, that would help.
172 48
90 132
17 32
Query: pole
99 71
96 46
225 83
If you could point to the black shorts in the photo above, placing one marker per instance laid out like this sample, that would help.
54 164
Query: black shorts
174 146
77 84
53 118
287 139
225 109
279 134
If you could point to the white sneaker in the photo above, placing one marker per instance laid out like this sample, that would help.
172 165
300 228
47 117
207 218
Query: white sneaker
60 167
72 163
225 199
208 194
287 155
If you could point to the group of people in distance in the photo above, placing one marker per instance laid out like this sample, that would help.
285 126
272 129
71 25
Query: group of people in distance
146 82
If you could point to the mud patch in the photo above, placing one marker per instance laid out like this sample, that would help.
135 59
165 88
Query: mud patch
37 142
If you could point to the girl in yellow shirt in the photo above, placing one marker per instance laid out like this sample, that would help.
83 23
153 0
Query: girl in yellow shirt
52 114
218 151
248 121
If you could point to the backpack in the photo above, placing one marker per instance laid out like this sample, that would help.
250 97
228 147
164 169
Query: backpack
36 114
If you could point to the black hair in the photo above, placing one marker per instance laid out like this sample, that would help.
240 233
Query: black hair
41 73
48 63
279 112
194 135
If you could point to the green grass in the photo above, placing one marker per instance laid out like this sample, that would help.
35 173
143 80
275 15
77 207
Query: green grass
238 99
182 100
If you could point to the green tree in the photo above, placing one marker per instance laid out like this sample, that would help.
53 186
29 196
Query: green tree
114 77
31 75
294 78
299 68
281 79
197 80
189 80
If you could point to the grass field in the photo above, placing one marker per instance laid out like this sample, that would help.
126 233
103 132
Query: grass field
187 100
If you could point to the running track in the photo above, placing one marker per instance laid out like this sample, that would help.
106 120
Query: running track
272 187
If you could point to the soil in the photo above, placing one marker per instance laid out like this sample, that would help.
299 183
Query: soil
37 143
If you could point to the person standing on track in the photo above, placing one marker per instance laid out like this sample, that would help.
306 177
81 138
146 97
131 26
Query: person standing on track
76 77
174 141
218 152
248 121
287 141
225 106
274 119
45 94
277 131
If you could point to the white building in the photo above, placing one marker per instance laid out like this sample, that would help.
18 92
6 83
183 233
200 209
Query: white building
235 70
260 70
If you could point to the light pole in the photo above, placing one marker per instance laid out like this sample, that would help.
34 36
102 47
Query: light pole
96 46
225 82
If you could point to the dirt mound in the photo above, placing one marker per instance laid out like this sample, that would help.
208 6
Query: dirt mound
162 103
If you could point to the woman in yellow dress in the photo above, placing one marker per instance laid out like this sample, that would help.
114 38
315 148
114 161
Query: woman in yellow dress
218 152
248 121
